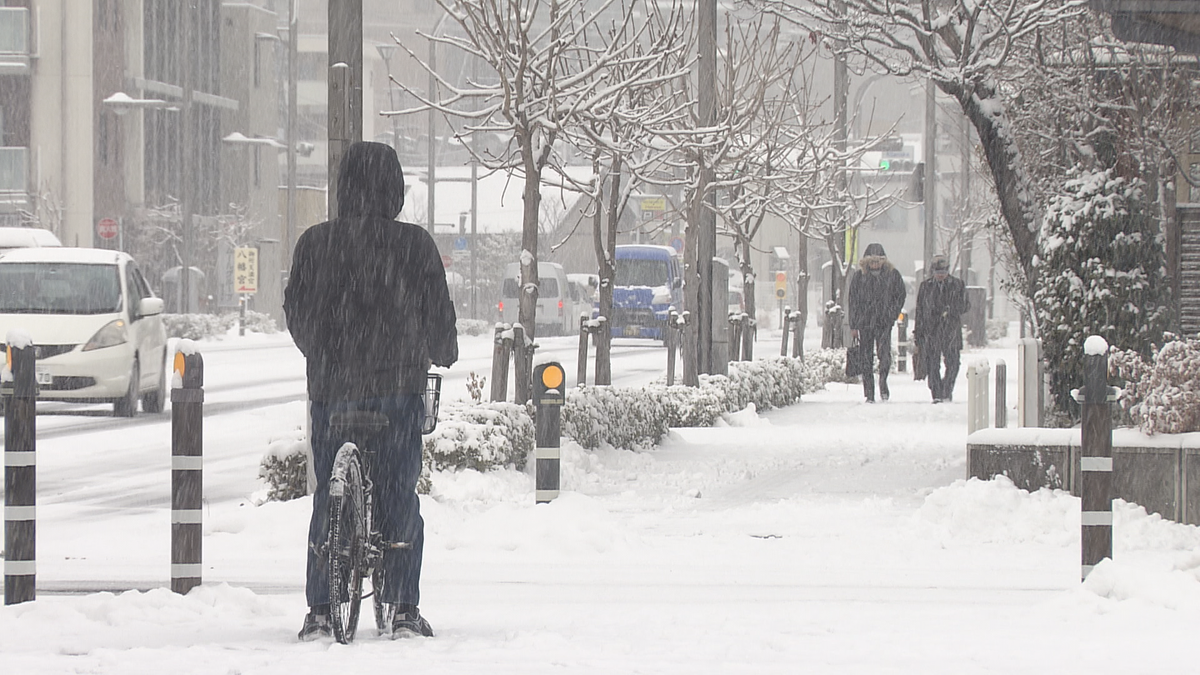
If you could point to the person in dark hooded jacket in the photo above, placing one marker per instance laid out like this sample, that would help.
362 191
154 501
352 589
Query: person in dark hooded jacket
875 299
368 306
941 302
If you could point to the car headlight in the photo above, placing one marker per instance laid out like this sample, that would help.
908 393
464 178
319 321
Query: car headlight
111 335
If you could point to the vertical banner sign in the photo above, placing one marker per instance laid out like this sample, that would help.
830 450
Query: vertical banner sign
245 270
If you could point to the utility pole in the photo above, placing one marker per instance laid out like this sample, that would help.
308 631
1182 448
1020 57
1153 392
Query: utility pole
841 90
706 216
187 144
289 227
431 141
345 86
930 173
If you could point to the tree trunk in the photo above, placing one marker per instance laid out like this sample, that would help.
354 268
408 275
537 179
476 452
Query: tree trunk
802 278
531 198
748 327
1013 185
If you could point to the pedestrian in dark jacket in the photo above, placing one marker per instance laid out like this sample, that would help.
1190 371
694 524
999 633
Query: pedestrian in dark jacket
941 302
367 304
875 300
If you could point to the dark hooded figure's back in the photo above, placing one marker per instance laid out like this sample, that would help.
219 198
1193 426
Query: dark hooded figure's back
367 301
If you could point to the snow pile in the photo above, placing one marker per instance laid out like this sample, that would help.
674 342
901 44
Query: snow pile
1162 396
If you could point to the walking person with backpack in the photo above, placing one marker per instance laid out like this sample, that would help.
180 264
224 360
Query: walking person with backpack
876 297
941 302
368 306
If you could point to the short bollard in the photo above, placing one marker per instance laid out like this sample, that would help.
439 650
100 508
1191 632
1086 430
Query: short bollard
187 477
672 343
902 343
501 348
548 399
787 326
522 357
581 363
735 337
1095 461
20 470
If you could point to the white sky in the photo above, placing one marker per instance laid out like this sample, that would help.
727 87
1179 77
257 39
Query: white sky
827 537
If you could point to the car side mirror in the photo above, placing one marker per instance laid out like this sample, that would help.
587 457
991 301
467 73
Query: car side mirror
150 306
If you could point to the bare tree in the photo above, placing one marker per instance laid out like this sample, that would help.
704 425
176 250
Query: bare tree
963 45
546 69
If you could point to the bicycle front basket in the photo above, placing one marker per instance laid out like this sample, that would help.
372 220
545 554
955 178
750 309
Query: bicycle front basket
433 398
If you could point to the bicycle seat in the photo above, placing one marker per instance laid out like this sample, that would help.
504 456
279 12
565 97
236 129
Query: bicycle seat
357 425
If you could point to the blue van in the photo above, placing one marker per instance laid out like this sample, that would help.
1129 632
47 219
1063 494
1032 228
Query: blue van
648 284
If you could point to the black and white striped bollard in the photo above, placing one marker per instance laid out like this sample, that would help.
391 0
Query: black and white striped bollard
187 477
1095 461
548 399
20 470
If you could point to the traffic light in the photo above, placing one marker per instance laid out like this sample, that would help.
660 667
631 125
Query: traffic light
781 285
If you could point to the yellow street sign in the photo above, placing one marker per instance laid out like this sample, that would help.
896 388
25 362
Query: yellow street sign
245 270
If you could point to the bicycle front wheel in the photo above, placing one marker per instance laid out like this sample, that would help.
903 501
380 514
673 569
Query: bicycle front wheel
347 542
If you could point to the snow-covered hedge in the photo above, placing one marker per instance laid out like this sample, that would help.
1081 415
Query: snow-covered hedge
636 417
200 326
1162 395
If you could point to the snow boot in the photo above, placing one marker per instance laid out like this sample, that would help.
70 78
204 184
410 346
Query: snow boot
409 623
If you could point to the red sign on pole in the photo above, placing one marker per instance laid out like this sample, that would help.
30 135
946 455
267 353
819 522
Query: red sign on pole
107 228
446 260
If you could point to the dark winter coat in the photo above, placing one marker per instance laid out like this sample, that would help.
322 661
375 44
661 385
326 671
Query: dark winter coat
940 306
367 301
876 296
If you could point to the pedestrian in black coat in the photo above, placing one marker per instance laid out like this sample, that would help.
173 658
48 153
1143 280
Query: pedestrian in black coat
367 304
941 302
875 300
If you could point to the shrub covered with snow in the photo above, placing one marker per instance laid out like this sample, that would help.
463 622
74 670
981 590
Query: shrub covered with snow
284 468
200 326
480 436
1100 271
636 417
1162 394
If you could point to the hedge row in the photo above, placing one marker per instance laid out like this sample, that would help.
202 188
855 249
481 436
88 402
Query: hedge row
484 436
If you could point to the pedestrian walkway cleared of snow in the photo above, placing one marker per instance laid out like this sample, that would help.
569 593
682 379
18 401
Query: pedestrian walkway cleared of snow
832 536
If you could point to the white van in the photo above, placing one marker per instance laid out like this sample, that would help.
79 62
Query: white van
555 308
26 237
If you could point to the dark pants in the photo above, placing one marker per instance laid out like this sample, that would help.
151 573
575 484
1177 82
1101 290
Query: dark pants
941 385
397 466
872 343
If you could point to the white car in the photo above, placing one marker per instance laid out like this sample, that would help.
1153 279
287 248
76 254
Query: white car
555 313
96 326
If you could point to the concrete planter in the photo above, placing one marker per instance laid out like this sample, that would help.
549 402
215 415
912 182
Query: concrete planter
1161 473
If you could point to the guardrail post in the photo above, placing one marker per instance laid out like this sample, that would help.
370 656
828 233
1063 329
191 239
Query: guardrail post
977 395
548 399
501 347
581 370
1001 394
749 332
902 343
522 358
672 344
797 337
187 476
1095 461
20 470
1030 375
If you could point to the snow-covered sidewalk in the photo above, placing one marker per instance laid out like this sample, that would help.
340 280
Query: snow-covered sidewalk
828 537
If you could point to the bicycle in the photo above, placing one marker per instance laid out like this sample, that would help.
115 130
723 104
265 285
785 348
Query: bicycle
354 548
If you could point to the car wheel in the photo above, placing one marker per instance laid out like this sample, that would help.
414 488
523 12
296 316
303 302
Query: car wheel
126 406
155 401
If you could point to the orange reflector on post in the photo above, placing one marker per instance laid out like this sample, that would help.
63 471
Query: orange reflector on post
180 363
552 376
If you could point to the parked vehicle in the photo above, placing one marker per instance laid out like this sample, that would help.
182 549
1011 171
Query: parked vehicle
95 325
26 237
554 313
648 284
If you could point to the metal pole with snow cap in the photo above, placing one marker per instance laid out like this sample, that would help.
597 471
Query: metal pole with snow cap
1095 461
548 398
187 477
20 469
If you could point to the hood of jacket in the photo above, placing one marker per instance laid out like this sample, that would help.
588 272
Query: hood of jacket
370 181
865 263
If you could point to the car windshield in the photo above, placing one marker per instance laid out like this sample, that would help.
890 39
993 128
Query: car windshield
641 272
59 288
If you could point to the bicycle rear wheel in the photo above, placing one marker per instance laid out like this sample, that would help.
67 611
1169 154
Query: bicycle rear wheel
347 542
